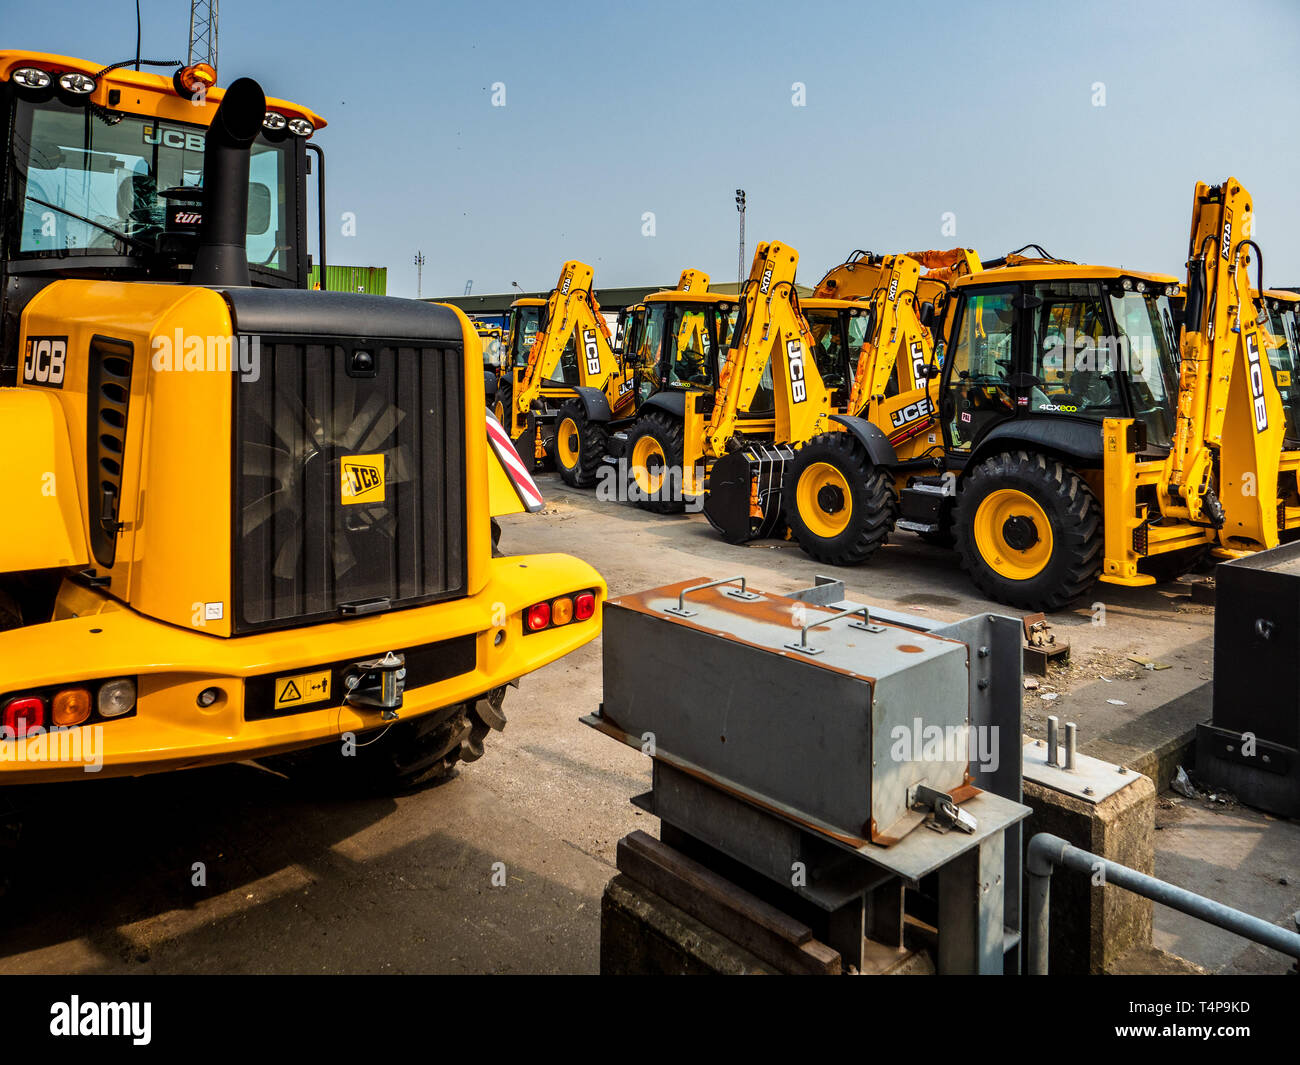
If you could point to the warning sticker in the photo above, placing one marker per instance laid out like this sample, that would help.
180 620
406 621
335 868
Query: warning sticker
302 689
362 479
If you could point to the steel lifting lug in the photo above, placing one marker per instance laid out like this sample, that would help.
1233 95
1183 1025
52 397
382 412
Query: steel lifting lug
377 683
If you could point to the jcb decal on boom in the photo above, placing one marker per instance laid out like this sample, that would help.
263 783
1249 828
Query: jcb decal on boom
45 361
1225 244
798 386
1256 382
767 281
917 352
893 289
564 288
591 351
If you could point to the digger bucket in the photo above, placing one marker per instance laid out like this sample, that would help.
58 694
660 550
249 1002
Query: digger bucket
744 492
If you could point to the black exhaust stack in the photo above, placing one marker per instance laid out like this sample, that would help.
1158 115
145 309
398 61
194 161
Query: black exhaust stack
222 256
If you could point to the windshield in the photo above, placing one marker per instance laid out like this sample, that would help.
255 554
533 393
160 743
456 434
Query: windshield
1151 342
88 187
524 325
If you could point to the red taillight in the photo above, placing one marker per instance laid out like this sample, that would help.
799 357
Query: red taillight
23 714
584 605
538 617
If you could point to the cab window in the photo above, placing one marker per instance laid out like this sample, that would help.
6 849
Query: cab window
828 347
1075 362
981 354
695 348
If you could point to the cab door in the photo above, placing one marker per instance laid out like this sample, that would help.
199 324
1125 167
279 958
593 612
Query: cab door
979 367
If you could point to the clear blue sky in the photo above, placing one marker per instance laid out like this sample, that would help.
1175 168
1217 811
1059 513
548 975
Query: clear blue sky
615 109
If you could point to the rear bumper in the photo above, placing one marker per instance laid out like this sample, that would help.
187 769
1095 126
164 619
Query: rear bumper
170 731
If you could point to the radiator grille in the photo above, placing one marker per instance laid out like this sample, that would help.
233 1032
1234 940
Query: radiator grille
350 482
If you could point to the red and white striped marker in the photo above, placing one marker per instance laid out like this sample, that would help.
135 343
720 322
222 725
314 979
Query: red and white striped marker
529 494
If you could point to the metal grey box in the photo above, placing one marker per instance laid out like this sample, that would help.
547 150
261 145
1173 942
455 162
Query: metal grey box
834 736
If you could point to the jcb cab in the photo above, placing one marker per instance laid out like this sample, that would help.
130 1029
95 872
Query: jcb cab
245 518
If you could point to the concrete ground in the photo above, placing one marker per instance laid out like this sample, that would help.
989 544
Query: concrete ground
295 883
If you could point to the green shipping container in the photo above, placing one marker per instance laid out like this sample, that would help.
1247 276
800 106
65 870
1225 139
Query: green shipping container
369 279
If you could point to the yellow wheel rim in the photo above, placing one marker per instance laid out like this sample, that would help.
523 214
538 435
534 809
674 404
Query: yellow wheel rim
567 443
500 411
1013 535
824 500
648 462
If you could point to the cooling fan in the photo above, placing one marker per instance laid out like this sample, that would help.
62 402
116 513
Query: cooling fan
298 472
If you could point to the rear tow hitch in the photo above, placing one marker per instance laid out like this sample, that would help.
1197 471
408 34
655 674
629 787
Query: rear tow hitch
377 683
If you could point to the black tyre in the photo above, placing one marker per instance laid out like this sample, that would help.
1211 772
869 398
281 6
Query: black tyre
579 445
654 451
840 507
1029 531
501 404
407 755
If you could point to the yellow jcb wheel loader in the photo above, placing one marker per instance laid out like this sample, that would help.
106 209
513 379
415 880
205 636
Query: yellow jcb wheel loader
245 518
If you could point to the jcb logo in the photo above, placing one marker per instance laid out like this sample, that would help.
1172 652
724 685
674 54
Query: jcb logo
766 282
1225 244
174 138
798 386
1256 382
45 361
917 353
591 351
893 288
362 479
911 412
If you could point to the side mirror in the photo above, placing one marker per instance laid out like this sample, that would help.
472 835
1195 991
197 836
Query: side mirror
929 371
926 314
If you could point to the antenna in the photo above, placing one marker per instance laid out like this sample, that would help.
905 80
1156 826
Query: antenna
419 261
203 33
468 286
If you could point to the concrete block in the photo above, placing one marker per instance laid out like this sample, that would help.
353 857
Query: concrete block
1092 925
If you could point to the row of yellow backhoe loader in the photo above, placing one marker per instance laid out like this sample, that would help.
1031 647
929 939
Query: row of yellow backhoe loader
1057 423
